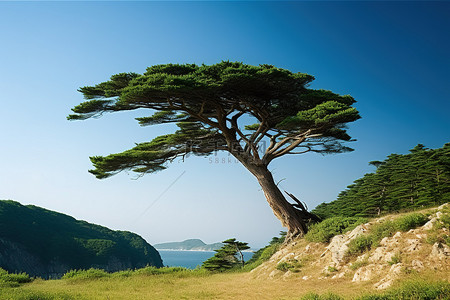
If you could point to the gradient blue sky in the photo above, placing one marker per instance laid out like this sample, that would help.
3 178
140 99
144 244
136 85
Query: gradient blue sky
392 57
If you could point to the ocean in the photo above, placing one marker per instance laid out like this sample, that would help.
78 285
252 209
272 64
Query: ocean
190 259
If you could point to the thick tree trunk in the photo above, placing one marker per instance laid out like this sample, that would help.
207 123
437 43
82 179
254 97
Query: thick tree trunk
283 210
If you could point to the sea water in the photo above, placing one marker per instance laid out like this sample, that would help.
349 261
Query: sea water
190 259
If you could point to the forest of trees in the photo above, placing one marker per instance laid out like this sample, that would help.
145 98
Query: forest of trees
415 180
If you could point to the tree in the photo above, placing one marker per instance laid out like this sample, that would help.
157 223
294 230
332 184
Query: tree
256 113
410 181
227 257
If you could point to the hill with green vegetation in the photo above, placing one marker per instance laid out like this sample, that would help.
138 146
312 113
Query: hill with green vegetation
47 244
401 182
191 245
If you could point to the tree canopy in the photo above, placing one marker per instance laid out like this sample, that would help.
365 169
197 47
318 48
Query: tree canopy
227 257
415 180
256 113
206 103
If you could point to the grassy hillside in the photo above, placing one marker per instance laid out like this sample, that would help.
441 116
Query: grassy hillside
401 182
46 238
300 270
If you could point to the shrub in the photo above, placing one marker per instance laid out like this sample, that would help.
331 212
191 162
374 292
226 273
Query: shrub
360 245
265 253
325 230
292 265
8 279
86 274
358 264
410 221
284 266
314 296
395 259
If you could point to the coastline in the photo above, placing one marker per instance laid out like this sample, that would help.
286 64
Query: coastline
192 250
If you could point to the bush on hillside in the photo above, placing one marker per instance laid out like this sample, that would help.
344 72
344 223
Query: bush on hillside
322 232
10 279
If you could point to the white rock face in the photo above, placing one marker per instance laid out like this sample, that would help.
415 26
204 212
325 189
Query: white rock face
394 272
429 225
417 264
366 273
339 243
275 273
381 255
440 251
412 245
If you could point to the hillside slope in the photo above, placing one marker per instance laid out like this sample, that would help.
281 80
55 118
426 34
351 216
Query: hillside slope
45 243
380 259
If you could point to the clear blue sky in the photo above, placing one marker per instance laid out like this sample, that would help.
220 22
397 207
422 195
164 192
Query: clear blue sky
392 57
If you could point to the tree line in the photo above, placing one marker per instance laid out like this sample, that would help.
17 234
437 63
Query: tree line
401 182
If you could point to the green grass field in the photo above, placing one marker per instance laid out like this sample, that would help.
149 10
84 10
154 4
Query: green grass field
186 284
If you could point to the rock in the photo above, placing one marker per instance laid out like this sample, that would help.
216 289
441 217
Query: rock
275 273
421 236
394 272
417 265
412 245
287 257
429 225
439 215
384 241
288 274
306 277
440 251
339 243
339 275
307 248
366 273
442 206
381 255
397 235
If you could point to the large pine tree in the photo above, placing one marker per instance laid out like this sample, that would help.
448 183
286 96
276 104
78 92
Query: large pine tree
256 113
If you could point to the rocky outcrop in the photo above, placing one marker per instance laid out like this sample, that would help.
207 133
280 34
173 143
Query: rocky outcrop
391 259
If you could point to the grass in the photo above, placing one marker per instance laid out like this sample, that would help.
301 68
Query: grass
409 290
323 232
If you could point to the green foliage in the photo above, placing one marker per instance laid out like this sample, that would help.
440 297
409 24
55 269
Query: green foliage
86 274
409 290
322 232
417 290
395 259
401 182
410 221
227 257
358 264
292 265
384 229
209 98
11 279
77 244
265 253
314 296
359 245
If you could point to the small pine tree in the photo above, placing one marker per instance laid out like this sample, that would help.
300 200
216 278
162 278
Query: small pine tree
227 257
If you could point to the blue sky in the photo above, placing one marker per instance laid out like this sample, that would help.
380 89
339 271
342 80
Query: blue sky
392 57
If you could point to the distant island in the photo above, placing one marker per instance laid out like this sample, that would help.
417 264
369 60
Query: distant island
48 244
189 245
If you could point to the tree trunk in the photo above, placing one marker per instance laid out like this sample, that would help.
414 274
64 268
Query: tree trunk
283 210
